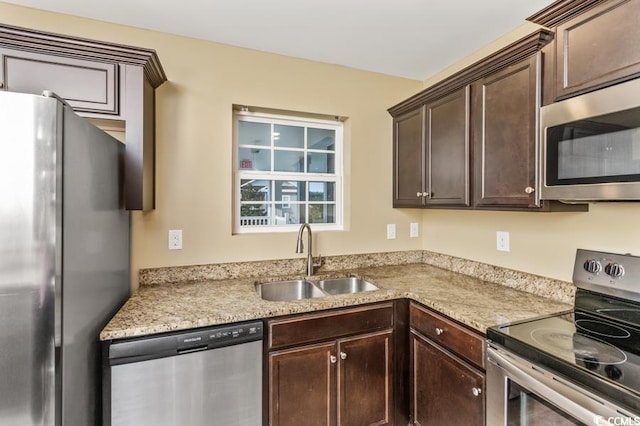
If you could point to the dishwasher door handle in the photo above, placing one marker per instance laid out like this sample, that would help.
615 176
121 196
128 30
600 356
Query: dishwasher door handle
190 350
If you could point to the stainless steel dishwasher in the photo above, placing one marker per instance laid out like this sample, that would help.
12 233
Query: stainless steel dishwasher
210 376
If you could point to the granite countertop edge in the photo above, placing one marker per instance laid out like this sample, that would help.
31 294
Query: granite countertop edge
469 300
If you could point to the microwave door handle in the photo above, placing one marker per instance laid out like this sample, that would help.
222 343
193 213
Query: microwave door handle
558 393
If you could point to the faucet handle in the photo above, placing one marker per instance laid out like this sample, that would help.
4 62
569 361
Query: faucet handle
318 263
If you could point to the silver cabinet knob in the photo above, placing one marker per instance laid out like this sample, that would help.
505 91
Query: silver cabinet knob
439 331
418 194
333 359
529 190
476 391
343 355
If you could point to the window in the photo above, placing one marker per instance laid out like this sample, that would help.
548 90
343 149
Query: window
288 171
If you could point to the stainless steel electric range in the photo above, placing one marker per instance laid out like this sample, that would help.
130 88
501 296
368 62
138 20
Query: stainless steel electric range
580 367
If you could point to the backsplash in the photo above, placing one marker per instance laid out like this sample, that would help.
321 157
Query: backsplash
273 268
549 288
560 291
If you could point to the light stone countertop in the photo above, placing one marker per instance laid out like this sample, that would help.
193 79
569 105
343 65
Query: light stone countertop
471 301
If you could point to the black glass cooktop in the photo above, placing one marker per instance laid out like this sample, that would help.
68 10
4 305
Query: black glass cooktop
586 348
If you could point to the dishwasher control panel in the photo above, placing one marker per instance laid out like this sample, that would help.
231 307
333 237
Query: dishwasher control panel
221 336
177 343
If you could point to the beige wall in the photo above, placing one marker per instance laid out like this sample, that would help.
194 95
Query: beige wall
541 243
194 145
194 161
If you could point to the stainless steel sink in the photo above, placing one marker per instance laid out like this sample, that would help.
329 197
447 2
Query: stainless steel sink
280 291
345 285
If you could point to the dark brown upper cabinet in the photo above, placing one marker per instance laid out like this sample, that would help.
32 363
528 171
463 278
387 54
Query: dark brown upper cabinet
597 44
447 150
505 134
471 140
431 153
100 81
408 158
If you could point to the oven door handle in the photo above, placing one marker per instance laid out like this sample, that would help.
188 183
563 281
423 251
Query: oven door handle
581 404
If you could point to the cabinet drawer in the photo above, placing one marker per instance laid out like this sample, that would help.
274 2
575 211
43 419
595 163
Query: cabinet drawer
448 334
90 87
329 325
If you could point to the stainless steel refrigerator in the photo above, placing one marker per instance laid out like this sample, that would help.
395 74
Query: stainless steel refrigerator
64 259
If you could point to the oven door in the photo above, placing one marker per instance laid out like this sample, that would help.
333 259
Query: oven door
519 393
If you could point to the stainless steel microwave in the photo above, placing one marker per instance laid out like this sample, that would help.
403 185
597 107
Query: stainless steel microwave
590 146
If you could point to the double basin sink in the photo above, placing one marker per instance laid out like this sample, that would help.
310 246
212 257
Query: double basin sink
280 291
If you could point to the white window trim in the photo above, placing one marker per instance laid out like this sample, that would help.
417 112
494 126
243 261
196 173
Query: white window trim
338 177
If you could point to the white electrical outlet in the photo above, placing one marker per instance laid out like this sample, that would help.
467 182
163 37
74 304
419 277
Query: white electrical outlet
175 239
391 231
414 230
502 241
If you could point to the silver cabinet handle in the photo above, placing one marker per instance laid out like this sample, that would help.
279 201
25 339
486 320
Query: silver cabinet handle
439 331
529 190
333 359
343 355
476 391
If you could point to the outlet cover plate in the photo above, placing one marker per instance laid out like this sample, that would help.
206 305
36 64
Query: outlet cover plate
175 239
502 241
414 230
391 231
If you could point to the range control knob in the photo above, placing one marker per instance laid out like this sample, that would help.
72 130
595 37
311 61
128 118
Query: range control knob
614 270
592 266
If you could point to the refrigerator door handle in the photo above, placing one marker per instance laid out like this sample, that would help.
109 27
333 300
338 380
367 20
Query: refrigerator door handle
50 94
57 316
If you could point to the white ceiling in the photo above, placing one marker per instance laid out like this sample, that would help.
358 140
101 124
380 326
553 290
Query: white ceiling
407 38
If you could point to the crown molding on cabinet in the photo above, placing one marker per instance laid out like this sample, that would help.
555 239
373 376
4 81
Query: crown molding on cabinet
561 11
506 56
81 48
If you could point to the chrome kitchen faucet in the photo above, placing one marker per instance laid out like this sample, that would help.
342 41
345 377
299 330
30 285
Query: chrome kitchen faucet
300 247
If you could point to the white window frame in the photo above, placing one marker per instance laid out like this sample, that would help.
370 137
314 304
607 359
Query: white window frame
337 177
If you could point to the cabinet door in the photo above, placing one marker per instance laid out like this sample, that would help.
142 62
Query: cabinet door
365 381
598 48
90 87
302 386
505 106
447 156
408 159
442 387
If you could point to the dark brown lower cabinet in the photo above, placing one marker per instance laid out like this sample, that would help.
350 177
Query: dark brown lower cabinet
345 382
332 368
444 389
381 364
365 380
301 386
